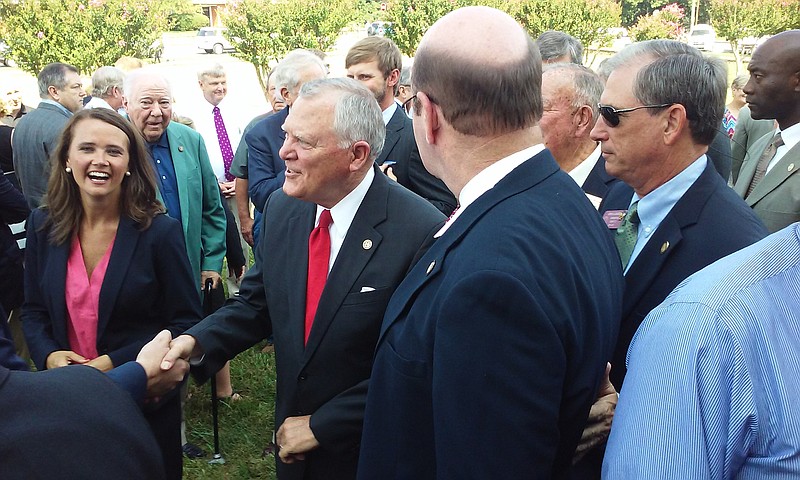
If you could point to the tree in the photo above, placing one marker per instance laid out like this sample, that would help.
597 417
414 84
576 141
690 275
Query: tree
412 18
666 22
87 34
263 32
735 20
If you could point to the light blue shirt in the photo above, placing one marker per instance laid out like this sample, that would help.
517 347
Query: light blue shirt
713 383
656 205
62 107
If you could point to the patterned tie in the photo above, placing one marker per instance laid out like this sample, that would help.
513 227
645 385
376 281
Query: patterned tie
763 162
224 144
319 253
627 233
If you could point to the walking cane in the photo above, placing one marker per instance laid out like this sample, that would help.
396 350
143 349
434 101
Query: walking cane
208 309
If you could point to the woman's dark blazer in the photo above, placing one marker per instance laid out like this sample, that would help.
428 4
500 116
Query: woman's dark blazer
148 287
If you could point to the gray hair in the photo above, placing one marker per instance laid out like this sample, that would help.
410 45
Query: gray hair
54 74
587 86
697 83
133 79
106 78
648 48
213 71
287 71
553 44
740 81
405 76
356 115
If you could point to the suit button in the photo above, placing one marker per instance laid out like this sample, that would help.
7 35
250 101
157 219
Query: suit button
302 377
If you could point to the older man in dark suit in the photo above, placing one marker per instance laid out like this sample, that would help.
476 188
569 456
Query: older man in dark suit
494 345
38 132
376 62
336 217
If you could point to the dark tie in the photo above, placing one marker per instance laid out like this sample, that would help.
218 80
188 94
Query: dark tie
763 162
319 253
626 234
224 144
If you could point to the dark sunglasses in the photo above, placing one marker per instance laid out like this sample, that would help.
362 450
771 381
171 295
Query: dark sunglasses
611 114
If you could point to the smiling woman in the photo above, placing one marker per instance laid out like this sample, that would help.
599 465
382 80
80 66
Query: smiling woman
102 228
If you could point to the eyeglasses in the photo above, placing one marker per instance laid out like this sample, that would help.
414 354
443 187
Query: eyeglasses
611 114
407 102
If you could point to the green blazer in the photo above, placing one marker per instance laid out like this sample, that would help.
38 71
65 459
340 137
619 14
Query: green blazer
776 199
202 215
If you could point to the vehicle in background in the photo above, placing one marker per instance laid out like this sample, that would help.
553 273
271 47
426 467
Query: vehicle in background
748 44
702 37
212 40
378 28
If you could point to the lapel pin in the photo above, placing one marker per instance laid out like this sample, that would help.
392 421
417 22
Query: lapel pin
430 267
180 148
664 247
791 167
366 244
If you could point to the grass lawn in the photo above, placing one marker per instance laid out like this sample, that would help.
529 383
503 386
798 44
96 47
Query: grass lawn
245 426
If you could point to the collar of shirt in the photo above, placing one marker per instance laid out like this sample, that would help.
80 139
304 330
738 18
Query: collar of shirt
791 137
97 102
62 107
582 171
162 142
655 206
343 214
389 113
486 179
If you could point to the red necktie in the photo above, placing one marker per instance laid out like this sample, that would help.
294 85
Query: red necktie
319 254
224 143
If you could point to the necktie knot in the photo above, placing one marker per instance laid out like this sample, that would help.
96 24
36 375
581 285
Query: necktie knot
325 219
627 234
778 141
215 110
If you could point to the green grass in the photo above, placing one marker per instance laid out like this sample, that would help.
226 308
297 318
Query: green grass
245 426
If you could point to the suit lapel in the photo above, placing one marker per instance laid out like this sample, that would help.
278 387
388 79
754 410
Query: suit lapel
56 278
525 176
787 166
121 255
299 228
393 129
351 260
177 150
748 168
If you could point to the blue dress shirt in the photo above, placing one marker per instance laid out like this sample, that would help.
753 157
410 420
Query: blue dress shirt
713 384
167 180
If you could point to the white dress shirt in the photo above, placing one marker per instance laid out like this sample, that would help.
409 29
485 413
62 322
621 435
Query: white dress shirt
204 124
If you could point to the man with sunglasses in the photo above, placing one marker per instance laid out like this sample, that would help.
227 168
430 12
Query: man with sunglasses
674 214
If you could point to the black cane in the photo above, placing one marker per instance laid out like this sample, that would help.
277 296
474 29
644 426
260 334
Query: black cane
208 309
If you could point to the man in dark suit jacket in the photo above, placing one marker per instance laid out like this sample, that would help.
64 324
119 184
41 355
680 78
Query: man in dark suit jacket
565 127
323 368
38 132
376 62
679 213
493 347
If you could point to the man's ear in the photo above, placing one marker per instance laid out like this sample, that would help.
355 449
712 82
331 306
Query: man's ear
674 123
429 112
394 77
361 152
584 117
53 91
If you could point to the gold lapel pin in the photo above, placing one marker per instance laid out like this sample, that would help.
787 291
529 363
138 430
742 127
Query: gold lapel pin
366 244
180 148
664 247
430 267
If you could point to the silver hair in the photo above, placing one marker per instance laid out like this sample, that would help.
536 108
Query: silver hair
586 85
554 44
405 76
697 83
648 48
740 81
356 115
288 71
133 79
106 78
213 71
54 74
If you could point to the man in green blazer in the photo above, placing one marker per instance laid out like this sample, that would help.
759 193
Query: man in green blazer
187 184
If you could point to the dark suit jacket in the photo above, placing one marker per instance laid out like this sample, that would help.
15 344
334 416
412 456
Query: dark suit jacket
599 181
708 223
328 378
13 209
35 139
148 287
266 170
493 347
401 147
72 422
719 153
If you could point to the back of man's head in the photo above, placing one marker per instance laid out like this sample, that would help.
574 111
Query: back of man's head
479 92
54 74
105 79
288 73
559 47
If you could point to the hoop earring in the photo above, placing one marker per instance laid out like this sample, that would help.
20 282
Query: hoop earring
68 170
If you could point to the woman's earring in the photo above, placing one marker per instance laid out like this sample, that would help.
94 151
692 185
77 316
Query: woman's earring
68 170
128 173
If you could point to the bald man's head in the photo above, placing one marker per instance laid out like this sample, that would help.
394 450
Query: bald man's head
480 92
773 90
